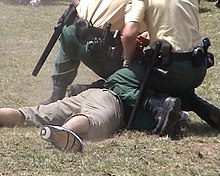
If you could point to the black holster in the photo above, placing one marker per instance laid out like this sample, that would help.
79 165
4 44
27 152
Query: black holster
198 56
102 40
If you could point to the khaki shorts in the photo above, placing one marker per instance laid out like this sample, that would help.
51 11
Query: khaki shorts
102 107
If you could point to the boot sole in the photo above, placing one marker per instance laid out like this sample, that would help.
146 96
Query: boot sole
172 108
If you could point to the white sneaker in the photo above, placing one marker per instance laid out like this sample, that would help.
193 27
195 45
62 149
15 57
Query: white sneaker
35 2
62 138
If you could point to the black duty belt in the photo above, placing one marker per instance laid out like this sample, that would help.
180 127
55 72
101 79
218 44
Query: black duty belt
84 28
181 56
96 31
197 56
187 56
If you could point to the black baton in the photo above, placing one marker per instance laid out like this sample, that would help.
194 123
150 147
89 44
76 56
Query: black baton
149 68
70 13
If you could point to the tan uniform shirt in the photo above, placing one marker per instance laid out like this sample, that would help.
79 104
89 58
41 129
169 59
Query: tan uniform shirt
99 12
172 21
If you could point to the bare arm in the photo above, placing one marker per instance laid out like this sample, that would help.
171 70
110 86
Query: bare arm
129 36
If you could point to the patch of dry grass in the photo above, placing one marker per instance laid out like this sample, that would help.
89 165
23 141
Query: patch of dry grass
24 31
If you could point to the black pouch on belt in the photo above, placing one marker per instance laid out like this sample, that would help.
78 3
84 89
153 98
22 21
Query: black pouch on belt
198 56
166 54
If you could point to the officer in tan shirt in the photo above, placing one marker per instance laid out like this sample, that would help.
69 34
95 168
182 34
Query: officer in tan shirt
101 12
175 24
72 50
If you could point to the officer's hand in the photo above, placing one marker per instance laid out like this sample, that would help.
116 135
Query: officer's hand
143 40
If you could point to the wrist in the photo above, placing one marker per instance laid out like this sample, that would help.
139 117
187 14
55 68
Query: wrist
126 62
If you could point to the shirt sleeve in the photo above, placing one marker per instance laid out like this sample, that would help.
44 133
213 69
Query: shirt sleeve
135 11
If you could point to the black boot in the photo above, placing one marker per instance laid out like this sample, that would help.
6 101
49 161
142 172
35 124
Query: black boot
206 111
166 112
75 89
57 94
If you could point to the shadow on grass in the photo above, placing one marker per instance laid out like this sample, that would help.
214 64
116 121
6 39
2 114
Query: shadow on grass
200 129
204 10
27 2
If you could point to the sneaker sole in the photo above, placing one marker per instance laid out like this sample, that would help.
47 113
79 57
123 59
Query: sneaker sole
62 138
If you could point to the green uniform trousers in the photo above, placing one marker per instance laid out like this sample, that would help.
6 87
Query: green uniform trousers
71 52
126 82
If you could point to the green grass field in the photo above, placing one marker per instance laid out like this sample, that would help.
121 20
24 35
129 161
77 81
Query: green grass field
25 31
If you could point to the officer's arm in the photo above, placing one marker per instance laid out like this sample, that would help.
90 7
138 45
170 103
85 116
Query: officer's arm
75 2
129 35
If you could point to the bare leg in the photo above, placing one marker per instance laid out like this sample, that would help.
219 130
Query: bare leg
10 117
78 124
68 137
